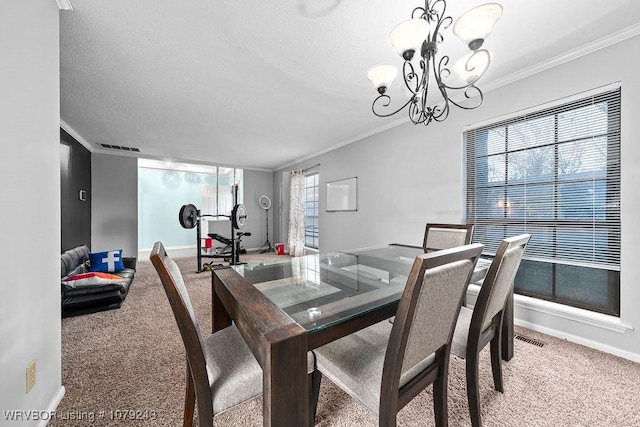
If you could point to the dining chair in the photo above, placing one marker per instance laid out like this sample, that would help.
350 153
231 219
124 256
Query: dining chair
445 236
386 365
221 370
482 325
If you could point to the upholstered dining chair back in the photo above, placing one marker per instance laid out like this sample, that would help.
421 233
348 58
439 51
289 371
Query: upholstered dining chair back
221 370
384 366
176 291
429 306
497 283
445 236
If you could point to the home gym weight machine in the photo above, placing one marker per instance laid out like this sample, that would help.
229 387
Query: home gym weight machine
190 217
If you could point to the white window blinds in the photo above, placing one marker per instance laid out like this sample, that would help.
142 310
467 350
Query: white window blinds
555 174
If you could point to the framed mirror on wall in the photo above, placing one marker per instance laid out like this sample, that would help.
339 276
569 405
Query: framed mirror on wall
342 195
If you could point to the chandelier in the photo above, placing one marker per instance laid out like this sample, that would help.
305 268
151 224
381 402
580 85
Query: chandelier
424 32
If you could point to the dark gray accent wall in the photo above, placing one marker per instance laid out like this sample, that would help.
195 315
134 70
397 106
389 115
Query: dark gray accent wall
75 175
114 210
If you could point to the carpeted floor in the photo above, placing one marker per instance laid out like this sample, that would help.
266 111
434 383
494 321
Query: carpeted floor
130 363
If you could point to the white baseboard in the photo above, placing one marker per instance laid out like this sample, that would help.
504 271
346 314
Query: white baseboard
173 251
53 405
536 314
580 340
573 314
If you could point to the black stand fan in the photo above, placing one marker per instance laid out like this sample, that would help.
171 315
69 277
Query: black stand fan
265 203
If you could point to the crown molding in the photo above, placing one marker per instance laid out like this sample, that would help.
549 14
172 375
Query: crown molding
64 125
64 4
601 43
356 138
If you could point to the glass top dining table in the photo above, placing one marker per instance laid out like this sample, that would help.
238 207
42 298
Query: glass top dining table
286 307
320 290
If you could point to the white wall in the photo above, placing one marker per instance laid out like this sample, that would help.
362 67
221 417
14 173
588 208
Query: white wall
114 203
410 175
30 206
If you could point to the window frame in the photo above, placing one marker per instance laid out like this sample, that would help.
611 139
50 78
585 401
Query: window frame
314 235
611 178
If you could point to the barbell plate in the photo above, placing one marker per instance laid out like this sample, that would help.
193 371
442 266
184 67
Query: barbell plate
188 216
238 216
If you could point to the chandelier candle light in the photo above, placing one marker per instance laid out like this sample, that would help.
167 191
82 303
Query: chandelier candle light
424 31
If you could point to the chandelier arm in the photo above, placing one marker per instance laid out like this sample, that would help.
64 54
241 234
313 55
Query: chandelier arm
469 89
468 68
410 75
417 109
442 24
437 12
441 113
485 51
388 101
424 85
424 82
414 114
442 69
458 87
422 10
427 117
478 93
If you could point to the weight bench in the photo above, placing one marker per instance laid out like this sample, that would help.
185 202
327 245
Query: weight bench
222 239
227 251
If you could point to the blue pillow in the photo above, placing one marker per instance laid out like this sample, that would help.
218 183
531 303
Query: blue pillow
106 262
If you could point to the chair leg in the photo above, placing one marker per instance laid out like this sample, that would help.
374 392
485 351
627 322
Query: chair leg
315 378
473 392
205 412
440 396
387 419
189 400
496 362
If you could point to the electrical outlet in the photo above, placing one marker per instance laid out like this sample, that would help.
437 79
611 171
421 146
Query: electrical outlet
31 375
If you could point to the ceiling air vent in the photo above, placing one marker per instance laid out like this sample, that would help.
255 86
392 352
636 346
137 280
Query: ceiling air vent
120 147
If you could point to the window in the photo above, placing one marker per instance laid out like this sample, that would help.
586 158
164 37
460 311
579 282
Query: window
163 188
311 182
218 193
555 174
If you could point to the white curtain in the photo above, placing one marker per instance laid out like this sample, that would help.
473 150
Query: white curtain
296 213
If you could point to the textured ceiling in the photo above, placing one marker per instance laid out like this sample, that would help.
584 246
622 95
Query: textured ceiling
261 84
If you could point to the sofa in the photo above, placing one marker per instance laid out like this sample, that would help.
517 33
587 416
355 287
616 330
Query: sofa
92 294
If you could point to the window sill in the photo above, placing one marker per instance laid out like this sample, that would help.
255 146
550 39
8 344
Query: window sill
586 317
